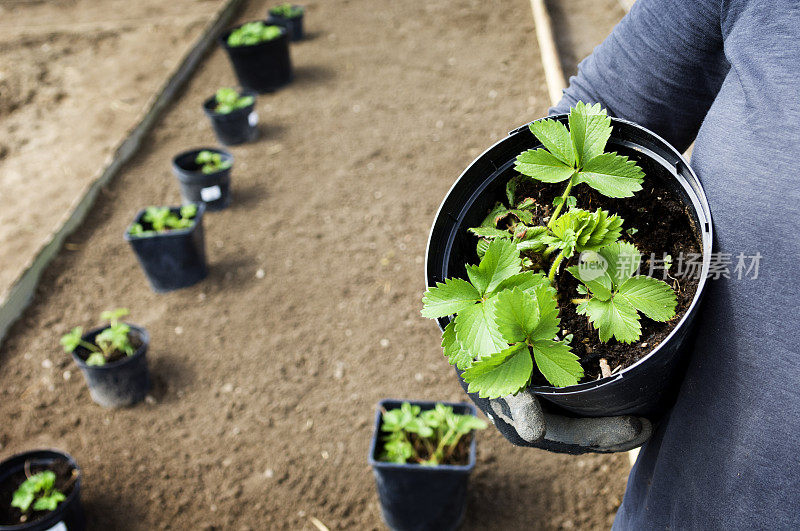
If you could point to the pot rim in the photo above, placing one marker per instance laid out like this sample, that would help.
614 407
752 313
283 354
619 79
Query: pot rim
53 516
172 233
180 170
207 105
140 351
699 203
425 404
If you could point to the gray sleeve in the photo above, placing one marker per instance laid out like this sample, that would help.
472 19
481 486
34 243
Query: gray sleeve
661 67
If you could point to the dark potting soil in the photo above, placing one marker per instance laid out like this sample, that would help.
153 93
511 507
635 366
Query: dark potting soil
65 482
117 355
459 455
664 226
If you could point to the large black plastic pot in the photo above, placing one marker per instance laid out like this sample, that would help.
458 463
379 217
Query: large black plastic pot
236 127
175 259
120 383
416 497
646 388
293 25
262 67
68 515
213 189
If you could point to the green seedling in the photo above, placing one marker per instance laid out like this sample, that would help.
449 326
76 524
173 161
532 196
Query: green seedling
229 100
211 162
163 219
615 296
286 10
424 437
113 340
253 33
506 315
38 493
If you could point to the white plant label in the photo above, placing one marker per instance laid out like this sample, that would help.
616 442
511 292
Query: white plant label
212 193
58 527
252 118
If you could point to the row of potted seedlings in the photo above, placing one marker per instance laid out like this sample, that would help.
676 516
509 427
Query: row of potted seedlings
40 489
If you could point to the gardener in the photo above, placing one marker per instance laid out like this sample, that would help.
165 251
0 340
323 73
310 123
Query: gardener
726 73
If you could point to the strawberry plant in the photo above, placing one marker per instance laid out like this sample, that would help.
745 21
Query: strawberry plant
211 162
162 219
506 315
38 493
286 10
253 33
229 100
424 437
112 343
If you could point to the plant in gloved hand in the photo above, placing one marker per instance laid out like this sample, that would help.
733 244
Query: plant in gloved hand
428 437
112 343
503 324
228 100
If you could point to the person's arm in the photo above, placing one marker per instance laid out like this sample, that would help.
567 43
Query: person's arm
661 67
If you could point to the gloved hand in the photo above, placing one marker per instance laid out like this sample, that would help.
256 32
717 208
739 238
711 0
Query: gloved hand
524 422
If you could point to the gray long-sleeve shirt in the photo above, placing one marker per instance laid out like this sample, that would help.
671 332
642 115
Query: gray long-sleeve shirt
728 73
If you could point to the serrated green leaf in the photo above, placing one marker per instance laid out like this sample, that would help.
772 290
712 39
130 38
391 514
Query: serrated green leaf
477 330
615 317
555 138
651 296
453 349
480 249
623 260
549 322
594 277
500 261
490 232
527 203
526 281
612 175
500 374
523 215
535 239
448 297
541 165
496 214
511 190
557 363
589 129
516 314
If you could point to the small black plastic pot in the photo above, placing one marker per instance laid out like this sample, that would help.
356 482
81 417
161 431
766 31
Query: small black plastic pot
262 67
172 260
646 388
120 383
236 127
68 515
293 25
213 189
416 497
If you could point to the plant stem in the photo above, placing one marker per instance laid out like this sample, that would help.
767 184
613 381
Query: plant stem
554 267
557 211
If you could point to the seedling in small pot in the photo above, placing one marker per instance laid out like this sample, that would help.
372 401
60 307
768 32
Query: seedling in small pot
253 33
228 100
506 315
163 219
211 162
111 344
287 10
38 493
425 437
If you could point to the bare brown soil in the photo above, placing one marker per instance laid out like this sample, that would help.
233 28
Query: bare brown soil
75 78
268 372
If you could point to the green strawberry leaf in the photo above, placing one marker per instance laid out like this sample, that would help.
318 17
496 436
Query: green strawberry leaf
555 138
651 296
623 260
500 374
456 353
557 363
500 261
477 330
615 317
589 129
516 314
448 297
612 175
541 165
